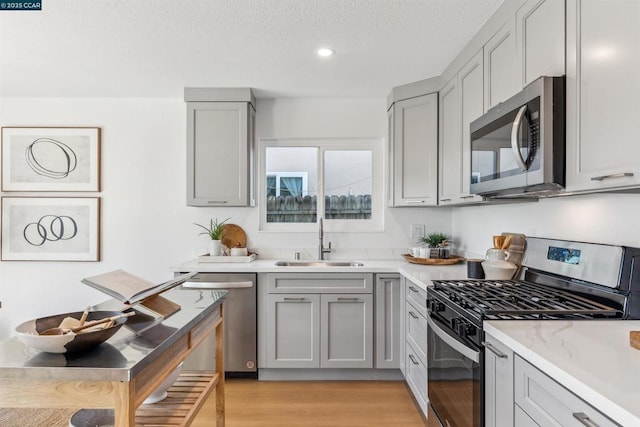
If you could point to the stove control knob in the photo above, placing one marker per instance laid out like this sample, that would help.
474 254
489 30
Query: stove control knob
436 306
461 327
470 330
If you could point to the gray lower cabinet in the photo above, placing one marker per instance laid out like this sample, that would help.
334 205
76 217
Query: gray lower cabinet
346 331
313 323
294 331
415 341
498 386
547 403
387 320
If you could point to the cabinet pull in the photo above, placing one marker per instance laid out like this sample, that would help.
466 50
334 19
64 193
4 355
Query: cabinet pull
584 419
216 202
412 289
494 350
413 360
294 299
470 196
412 314
445 200
614 175
348 299
414 201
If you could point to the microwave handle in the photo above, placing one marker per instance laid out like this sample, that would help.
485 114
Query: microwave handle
514 137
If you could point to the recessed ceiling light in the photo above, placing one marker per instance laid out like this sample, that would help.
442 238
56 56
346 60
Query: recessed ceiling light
325 51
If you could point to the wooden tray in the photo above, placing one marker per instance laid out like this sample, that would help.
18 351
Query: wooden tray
233 236
433 261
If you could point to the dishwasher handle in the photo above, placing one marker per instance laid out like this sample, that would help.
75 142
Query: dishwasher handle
217 285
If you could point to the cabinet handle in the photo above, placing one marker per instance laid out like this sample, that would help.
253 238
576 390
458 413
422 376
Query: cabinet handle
411 288
494 350
414 201
584 419
294 299
348 299
614 175
412 314
215 202
470 196
445 200
413 360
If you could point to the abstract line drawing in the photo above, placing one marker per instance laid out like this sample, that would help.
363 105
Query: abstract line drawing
67 160
50 229
50 159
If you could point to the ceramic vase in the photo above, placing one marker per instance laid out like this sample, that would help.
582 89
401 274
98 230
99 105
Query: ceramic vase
215 248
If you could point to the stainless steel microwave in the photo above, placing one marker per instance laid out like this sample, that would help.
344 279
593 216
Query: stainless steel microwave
518 146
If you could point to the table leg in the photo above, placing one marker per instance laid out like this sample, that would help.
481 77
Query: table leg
220 370
124 405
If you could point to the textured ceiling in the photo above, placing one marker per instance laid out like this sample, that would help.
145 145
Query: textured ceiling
154 48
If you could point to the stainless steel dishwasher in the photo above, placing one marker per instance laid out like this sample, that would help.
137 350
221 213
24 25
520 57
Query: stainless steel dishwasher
240 339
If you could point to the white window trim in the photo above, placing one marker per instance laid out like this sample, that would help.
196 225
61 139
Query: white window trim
303 175
375 145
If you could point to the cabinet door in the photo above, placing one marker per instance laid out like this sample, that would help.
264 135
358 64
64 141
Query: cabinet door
416 151
294 331
346 331
471 93
387 322
219 153
416 331
416 376
541 41
450 152
550 404
603 89
403 292
501 78
498 374
390 158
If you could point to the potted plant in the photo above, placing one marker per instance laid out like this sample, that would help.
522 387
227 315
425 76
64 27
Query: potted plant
433 241
214 231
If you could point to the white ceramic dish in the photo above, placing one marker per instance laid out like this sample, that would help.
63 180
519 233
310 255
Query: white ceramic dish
92 418
160 393
498 270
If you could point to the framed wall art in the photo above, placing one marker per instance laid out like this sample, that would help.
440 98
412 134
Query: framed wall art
50 229
50 159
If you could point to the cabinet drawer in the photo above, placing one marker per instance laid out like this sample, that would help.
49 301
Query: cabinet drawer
416 376
416 330
418 297
548 403
314 283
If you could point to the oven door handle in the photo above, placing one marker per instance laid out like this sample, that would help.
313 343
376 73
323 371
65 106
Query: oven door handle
467 352
515 146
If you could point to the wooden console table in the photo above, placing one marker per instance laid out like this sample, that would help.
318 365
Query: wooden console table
124 371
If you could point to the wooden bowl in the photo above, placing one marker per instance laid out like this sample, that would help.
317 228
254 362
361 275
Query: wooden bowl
28 333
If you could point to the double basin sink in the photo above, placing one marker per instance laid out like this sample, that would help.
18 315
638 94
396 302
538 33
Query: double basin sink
319 264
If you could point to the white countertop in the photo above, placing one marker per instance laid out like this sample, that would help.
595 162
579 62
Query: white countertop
592 358
417 273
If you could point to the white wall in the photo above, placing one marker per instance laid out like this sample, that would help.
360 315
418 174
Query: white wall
599 218
146 225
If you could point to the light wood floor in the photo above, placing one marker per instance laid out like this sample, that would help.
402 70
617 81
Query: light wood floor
314 403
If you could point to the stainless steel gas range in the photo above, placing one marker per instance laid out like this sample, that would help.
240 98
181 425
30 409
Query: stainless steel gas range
558 280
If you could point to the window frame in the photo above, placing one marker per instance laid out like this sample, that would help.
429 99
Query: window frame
304 176
375 145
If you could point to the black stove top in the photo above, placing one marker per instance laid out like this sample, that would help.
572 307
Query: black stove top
511 299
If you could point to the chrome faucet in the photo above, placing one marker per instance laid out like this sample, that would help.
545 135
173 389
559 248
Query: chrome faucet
321 249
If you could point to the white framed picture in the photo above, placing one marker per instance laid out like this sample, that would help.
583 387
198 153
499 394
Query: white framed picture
50 159
50 229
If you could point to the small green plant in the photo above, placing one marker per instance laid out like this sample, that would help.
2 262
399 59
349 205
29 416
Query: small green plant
214 231
432 240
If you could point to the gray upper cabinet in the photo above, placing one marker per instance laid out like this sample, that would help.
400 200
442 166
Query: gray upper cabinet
602 95
541 39
220 147
500 74
415 151
450 152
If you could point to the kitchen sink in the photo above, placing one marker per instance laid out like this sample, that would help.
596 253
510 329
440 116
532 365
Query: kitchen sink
319 264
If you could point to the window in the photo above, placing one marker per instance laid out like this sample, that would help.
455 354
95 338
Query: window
331 178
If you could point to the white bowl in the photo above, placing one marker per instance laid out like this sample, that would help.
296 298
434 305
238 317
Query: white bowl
498 270
93 418
160 393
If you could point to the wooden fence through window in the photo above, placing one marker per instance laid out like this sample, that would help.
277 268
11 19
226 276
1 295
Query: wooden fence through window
304 208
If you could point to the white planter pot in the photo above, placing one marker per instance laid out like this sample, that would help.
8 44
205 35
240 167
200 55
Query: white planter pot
215 248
